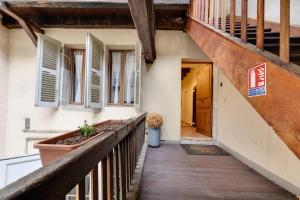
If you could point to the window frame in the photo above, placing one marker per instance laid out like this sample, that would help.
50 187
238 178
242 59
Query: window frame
71 80
122 78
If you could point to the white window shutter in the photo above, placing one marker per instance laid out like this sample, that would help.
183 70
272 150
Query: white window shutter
94 72
48 72
138 74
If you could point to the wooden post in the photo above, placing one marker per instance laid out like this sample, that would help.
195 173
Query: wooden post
110 176
223 16
117 174
95 185
216 13
285 31
81 190
104 178
203 11
260 24
123 170
232 17
244 20
207 2
211 13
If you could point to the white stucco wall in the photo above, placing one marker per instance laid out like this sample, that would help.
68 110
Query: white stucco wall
3 85
160 84
249 135
272 10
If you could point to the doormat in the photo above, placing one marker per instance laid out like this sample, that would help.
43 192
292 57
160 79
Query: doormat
199 149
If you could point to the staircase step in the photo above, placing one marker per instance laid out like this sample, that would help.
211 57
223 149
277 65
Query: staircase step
275 40
274 48
267 34
238 31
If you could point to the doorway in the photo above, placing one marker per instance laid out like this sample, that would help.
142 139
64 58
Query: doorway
196 97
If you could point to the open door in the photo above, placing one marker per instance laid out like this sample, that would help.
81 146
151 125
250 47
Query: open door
204 101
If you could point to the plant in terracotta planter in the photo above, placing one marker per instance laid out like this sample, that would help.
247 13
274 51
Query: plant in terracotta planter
86 130
55 147
154 123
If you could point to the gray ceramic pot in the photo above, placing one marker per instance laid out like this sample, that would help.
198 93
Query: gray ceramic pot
154 137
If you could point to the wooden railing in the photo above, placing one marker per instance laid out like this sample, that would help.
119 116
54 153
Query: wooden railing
212 12
115 153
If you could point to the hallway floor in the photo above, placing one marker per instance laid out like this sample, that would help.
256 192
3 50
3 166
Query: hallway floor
171 174
189 132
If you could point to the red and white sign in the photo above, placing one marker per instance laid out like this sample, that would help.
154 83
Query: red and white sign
257 80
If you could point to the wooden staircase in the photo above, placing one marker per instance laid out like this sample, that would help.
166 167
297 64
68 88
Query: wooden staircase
229 44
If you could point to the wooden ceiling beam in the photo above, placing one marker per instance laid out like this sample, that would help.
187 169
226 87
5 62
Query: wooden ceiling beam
28 26
142 12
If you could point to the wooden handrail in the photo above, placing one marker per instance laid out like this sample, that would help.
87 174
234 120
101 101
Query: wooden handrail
59 177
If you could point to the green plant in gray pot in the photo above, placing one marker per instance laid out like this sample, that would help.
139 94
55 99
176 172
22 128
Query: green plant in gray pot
154 123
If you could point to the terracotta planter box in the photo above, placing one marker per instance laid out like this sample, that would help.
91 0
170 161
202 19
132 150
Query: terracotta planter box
50 151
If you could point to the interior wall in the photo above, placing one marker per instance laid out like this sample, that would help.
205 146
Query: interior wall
160 85
3 85
246 133
272 10
187 86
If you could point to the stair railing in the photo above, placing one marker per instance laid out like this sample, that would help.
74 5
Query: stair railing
214 13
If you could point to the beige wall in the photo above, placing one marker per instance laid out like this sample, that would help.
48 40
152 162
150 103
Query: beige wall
160 84
243 130
3 85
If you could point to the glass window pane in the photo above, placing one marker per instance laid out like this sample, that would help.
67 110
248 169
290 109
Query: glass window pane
129 77
77 76
115 78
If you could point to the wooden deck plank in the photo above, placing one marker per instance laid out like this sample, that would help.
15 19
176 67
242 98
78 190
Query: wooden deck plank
170 173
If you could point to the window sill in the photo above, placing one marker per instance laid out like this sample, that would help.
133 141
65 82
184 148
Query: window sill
78 108
119 105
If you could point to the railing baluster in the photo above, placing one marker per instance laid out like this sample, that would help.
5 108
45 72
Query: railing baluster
211 12
104 178
232 17
202 10
123 170
95 185
207 2
260 24
223 15
127 163
117 166
216 13
81 190
285 31
198 9
244 20
110 177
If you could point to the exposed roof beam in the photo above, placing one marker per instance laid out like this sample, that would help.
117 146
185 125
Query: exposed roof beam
25 24
90 3
142 12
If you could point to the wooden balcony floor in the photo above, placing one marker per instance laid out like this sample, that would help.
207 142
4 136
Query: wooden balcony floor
171 174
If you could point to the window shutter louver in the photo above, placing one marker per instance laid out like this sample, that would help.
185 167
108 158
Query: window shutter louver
94 72
137 82
48 71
